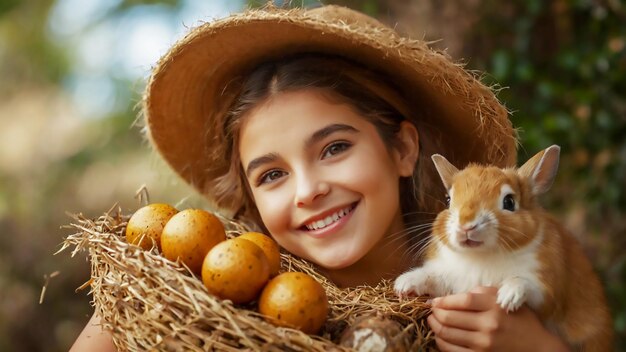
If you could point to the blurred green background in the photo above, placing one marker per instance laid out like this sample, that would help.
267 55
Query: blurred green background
72 72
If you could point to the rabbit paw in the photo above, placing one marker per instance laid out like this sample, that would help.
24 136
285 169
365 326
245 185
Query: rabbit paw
512 294
415 282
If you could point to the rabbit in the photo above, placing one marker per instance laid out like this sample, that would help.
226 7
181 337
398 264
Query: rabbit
494 233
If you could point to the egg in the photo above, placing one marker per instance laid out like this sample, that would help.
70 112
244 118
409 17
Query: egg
269 247
295 300
189 235
376 333
236 269
145 226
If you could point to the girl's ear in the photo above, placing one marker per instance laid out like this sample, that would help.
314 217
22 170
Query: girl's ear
408 150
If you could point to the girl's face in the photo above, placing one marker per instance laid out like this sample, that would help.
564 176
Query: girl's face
325 184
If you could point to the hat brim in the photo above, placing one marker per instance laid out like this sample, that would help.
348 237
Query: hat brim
196 79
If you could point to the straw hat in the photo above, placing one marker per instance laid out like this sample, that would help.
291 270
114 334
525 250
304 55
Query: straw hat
195 82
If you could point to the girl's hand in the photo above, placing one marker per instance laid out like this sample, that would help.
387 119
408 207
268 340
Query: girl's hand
93 338
473 321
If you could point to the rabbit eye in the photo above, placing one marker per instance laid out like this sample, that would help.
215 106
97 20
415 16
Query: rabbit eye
447 201
508 203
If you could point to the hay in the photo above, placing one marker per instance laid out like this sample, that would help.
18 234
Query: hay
150 303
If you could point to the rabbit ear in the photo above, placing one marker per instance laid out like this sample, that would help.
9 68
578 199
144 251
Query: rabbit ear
541 169
445 169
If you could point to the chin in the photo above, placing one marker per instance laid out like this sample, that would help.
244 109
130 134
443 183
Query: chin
335 263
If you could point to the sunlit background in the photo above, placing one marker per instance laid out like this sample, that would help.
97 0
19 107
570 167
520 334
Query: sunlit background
73 71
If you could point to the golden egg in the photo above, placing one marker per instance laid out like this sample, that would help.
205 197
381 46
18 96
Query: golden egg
235 269
189 235
269 247
295 300
145 226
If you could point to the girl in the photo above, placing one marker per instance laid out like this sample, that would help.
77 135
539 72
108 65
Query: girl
318 126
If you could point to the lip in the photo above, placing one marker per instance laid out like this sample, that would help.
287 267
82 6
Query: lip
471 244
332 228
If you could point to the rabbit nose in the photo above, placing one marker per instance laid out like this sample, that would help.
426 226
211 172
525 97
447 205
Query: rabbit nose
468 231
468 227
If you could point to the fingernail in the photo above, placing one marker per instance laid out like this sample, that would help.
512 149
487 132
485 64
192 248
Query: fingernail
434 301
429 302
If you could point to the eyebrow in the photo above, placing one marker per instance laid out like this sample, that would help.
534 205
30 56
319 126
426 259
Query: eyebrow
315 137
327 131
265 159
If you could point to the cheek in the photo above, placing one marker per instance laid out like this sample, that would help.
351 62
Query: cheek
273 209
517 229
371 172
441 226
451 228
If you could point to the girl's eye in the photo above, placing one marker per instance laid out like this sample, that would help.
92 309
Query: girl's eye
335 148
447 201
508 203
270 176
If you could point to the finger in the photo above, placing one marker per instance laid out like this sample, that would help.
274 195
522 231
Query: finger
466 320
490 290
446 346
450 335
465 301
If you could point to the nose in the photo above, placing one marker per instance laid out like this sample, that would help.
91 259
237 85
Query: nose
468 227
464 231
309 187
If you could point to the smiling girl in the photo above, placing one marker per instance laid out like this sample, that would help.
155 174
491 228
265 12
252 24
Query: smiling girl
327 189
318 126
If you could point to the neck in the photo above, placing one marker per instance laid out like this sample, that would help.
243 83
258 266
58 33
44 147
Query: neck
387 259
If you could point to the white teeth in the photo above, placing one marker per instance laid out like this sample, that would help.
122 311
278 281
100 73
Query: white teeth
329 219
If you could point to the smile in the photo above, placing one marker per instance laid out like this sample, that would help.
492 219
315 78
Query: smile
330 219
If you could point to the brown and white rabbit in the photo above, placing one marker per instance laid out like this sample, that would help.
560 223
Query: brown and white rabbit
494 233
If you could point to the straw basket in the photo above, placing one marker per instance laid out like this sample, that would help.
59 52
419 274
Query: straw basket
150 303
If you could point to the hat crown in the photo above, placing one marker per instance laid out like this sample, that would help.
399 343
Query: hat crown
334 13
